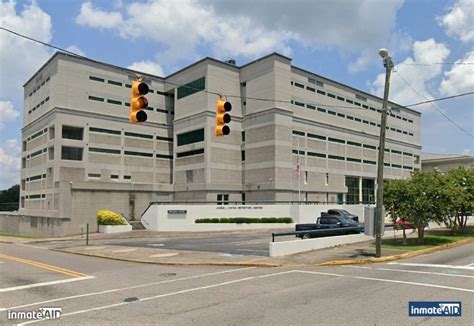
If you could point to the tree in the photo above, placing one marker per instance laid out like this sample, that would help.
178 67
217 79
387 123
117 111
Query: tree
9 198
419 200
395 192
460 192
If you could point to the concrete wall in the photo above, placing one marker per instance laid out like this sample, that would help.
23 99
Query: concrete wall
182 217
34 226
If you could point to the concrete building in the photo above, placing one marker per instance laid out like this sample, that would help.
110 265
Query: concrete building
81 154
444 162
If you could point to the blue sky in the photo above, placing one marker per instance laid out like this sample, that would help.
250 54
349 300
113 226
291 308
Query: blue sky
338 39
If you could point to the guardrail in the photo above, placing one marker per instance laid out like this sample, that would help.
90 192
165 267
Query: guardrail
321 232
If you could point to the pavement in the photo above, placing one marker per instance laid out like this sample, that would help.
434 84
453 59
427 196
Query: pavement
144 246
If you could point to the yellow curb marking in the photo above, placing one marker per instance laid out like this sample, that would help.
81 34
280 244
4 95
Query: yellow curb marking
43 266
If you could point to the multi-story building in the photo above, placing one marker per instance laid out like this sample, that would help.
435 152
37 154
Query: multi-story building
80 152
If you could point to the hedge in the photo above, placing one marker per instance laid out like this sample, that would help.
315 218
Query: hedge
107 217
240 220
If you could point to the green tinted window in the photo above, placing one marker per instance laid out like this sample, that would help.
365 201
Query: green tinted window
191 137
192 87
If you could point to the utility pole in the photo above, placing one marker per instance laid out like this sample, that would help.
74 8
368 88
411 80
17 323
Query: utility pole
379 218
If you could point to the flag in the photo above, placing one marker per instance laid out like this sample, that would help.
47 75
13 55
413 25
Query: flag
298 167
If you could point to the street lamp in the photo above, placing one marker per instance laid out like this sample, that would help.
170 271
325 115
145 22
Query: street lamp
379 218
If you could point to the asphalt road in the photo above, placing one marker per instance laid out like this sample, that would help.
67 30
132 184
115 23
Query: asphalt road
100 291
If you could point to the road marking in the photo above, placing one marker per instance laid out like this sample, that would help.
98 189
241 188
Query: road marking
43 266
126 288
433 265
170 254
94 248
125 250
122 303
389 281
156 244
470 264
35 285
408 271
261 250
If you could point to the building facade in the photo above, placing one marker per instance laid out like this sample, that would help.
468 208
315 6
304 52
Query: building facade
445 162
295 136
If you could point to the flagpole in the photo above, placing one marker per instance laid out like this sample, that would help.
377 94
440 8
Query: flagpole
299 172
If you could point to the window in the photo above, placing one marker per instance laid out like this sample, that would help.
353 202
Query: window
169 157
243 136
164 138
361 98
298 133
341 115
104 150
322 110
355 160
299 103
336 157
111 82
327 179
189 176
369 146
223 199
352 185
36 135
321 92
316 136
349 117
313 154
191 137
95 98
358 119
305 177
331 95
127 177
336 140
94 175
71 153
133 134
191 88
242 155
295 151
368 187
312 107
340 98
190 153
331 112
354 143
311 89
97 79
114 177
299 85
114 102
370 162
73 132
131 153
104 131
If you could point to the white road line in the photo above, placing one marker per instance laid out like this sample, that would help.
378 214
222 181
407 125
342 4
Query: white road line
470 264
164 295
389 281
408 271
94 248
124 250
169 254
156 244
433 265
35 285
125 288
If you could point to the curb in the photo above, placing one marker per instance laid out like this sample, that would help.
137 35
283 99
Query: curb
244 264
396 257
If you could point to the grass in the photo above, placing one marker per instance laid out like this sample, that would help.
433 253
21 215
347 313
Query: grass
432 238
5 234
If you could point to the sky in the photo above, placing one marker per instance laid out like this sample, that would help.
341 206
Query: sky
430 41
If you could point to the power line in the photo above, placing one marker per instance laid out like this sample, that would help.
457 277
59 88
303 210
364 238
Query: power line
441 99
218 93
435 106
435 63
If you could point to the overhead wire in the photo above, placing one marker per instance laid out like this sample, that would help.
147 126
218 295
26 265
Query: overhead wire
214 92
434 105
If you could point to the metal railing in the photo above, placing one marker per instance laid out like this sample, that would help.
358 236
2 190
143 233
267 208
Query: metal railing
320 232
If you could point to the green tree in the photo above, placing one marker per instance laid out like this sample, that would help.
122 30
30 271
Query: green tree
460 192
9 198
419 200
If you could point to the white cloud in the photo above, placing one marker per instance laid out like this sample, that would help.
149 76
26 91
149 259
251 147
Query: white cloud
10 162
466 151
248 28
148 67
418 77
75 49
459 22
460 79
93 17
7 113
23 57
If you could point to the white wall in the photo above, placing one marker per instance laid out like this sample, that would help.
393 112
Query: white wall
181 217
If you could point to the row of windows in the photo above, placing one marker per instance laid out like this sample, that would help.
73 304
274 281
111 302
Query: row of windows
112 176
36 135
36 177
348 142
39 104
126 104
39 86
37 196
190 153
340 98
120 84
349 159
37 153
348 117
129 134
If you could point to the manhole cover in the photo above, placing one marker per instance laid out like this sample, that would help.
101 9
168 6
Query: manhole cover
167 274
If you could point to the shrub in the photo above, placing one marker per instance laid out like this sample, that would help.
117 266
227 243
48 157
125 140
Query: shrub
107 217
240 220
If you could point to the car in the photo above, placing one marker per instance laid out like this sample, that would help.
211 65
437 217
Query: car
402 223
329 225
343 213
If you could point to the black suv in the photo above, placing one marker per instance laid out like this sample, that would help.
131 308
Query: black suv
342 213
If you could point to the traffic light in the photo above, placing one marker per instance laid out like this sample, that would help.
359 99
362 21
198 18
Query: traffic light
222 117
138 101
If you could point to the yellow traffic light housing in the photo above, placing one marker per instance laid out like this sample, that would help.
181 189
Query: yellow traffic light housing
138 101
222 117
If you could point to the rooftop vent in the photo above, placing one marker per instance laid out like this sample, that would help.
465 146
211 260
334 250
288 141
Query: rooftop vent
231 61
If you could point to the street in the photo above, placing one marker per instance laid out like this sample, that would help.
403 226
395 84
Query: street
101 291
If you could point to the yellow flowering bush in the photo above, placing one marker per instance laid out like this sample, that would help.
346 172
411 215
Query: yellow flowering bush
108 217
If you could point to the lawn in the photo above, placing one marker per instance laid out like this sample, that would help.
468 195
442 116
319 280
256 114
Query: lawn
432 238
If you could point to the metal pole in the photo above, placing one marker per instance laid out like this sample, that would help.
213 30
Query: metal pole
299 172
380 166
87 234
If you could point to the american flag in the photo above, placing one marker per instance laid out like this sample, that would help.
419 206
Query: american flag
298 167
